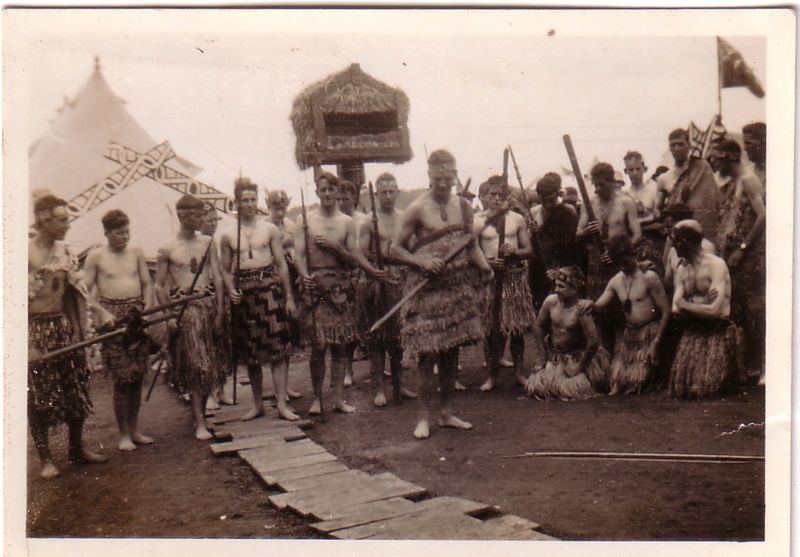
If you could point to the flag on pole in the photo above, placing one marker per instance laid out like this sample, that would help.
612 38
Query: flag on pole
733 72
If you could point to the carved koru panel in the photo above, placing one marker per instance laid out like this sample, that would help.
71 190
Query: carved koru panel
133 168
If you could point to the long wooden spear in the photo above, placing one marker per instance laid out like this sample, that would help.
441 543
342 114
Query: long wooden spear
534 229
307 253
661 457
587 201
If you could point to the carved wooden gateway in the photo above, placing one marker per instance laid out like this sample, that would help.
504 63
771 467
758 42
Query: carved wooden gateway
350 118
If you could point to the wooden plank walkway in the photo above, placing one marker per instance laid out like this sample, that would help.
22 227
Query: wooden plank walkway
351 504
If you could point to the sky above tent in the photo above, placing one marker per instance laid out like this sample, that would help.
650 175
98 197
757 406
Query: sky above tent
219 85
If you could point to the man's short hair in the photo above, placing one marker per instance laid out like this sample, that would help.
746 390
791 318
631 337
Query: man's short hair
493 182
555 176
547 185
659 171
620 245
731 149
385 178
690 230
758 129
277 198
46 204
114 219
188 202
678 133
331 178
603 171
346 187
634 156
441 161
243 184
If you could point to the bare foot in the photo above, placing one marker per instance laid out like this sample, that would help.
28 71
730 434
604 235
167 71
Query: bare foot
293 394
423 430
225 399
488 385
140 439
202 434
387 372
452 421
459 386
348 380
49 471
407 393
253 414
212 404
126 444
287 413
380 399
344 408
316 408
505 363
521 380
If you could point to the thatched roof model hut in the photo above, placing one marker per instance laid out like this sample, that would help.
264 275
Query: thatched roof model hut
350 117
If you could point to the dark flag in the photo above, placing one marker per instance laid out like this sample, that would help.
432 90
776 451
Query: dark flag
733 71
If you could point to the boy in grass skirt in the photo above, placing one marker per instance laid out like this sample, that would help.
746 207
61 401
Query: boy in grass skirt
120 274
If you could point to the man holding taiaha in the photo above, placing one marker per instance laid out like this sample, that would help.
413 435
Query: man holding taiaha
647 312
58 388
189 263
264 303
446 312
516 314
119 273
329 293
615 215
709 354
690 183
376 297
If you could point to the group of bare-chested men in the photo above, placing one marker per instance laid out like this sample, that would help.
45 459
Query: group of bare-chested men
478 288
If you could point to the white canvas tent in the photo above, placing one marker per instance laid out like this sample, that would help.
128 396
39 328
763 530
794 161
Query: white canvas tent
98 158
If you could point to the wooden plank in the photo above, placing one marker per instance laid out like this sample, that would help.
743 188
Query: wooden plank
328 467
319 481
263 426
279 451
267 470
248 443
502 526
428 525
319 502
429 508
365 513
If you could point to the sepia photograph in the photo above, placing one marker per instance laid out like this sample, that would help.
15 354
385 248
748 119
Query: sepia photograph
335 281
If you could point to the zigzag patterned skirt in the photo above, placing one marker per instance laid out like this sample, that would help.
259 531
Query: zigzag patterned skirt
262 328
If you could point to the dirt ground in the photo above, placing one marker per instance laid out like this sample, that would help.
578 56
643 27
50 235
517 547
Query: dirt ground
177 489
